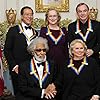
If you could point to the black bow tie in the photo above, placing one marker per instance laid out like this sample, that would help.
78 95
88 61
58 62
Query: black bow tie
28 27
40 64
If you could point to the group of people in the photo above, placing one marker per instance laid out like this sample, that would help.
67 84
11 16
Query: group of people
56 64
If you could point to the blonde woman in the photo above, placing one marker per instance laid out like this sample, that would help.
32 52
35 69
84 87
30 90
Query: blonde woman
80 79
56 36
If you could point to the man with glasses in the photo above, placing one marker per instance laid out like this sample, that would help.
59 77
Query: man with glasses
36 74
17 40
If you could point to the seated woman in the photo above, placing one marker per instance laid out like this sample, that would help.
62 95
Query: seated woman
80 78
36 74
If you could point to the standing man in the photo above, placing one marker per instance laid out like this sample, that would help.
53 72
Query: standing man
87 30
17 40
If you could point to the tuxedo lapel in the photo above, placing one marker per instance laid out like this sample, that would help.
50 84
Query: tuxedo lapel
33 72
21 31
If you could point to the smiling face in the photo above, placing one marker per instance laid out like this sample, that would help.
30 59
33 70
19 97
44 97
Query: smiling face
83 13
27 16
52 17
78 51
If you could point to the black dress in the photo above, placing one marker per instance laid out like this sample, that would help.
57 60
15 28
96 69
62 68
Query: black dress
58 45
79 83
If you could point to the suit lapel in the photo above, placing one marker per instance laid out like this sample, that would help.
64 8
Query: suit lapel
21 31
33 71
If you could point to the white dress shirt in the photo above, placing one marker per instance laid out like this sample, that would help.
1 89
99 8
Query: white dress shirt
40 72
27 32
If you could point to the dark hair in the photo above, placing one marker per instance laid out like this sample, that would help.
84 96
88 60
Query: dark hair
80 4
25 7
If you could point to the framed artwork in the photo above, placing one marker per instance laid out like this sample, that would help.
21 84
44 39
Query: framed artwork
60 5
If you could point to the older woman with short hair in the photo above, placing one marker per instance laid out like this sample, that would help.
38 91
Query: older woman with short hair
80 78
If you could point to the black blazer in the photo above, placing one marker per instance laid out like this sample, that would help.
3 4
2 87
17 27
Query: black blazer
29 88
15 48
93 39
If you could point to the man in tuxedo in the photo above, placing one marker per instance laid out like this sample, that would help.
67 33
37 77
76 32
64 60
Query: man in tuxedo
17 40
86 29
36 74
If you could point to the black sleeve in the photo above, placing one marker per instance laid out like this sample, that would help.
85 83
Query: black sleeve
96 26
8 47
24 82
71 32
96 70
43 32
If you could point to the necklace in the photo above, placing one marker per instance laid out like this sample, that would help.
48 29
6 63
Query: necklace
89 29
77 71
55 40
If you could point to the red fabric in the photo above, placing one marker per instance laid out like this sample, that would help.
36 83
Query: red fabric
1 86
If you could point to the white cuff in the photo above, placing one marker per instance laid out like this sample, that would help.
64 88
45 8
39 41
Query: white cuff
14 67
42 95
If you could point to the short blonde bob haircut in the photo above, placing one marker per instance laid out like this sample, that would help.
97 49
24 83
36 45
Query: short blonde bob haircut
72 46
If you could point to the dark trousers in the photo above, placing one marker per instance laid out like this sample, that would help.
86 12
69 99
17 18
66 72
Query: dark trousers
14 78
74 97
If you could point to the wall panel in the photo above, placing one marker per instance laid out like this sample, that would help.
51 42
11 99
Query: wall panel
18 4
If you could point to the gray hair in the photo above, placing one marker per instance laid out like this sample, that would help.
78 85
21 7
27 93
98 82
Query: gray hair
72 45
36 41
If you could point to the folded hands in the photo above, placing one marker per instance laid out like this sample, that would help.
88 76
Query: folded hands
50 91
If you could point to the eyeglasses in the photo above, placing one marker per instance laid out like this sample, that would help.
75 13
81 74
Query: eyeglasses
39 50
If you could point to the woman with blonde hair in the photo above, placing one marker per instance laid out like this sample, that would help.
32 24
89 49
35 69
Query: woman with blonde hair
80 78
57 38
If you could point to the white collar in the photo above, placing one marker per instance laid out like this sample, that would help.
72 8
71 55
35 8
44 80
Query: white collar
23 25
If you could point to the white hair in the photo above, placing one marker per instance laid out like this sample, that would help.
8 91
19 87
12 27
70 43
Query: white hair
36 41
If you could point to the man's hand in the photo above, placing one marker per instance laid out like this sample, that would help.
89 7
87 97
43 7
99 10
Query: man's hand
15 69
95 97
50 91
89 52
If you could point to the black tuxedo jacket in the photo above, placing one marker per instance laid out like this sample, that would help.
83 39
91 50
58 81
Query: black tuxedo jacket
93 38
29 88
15 48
